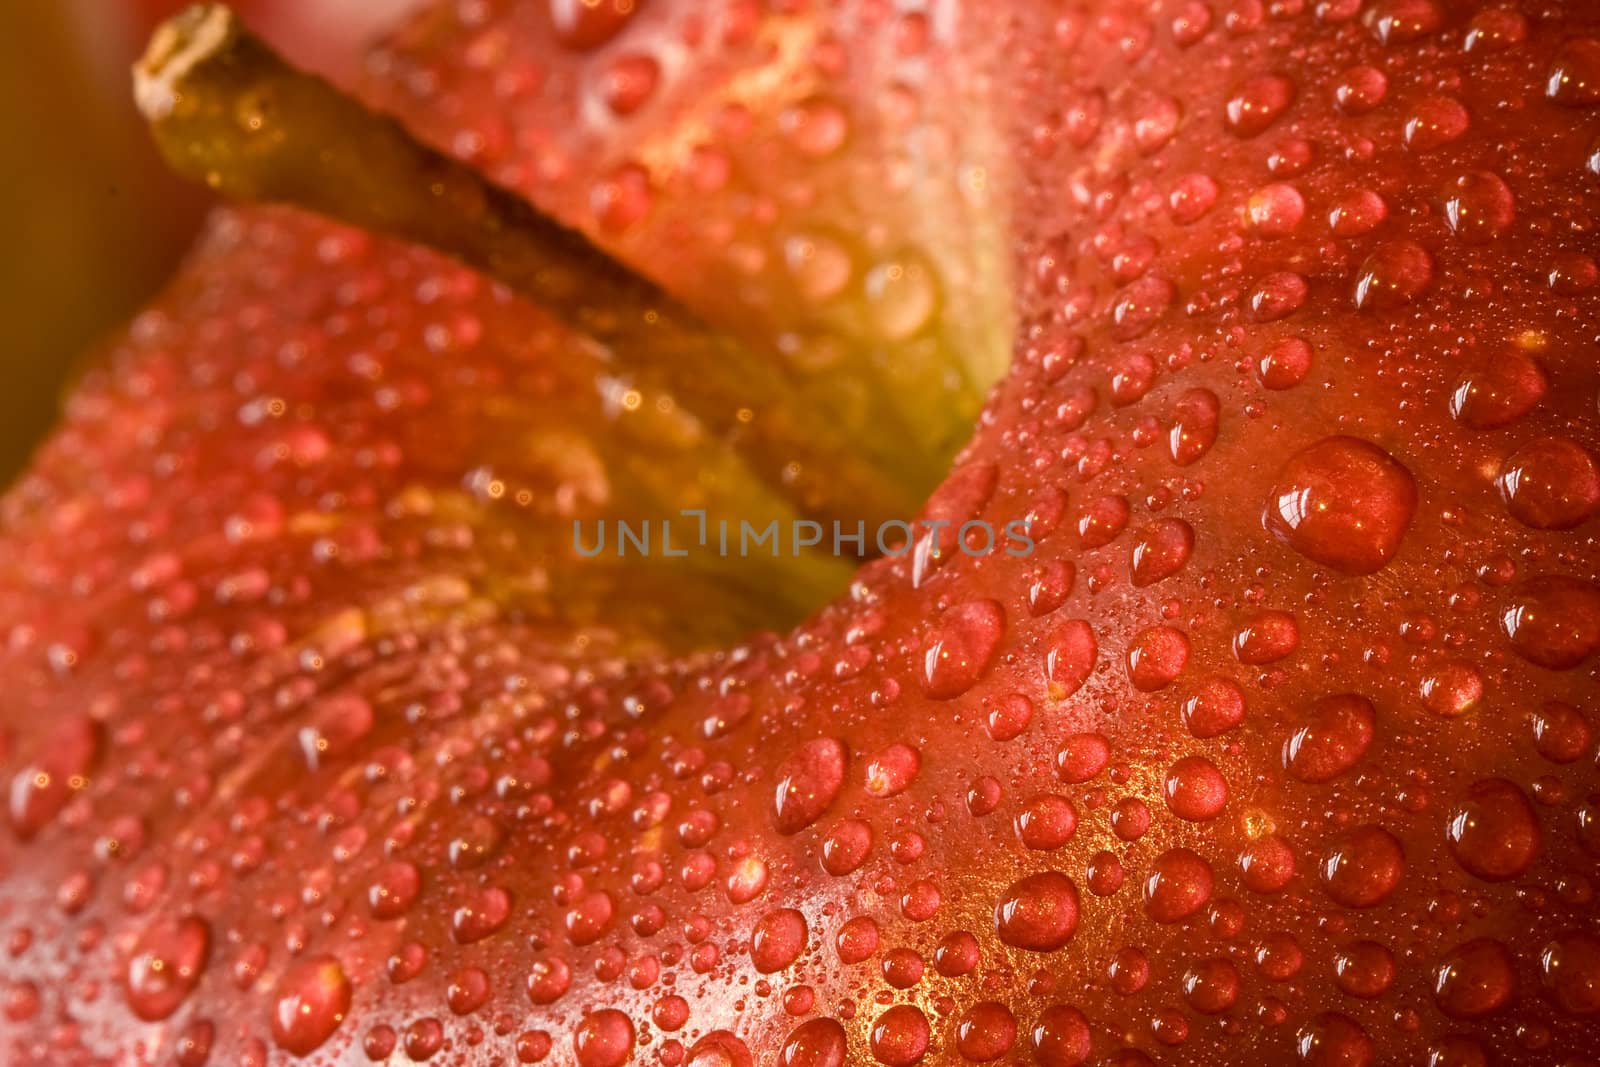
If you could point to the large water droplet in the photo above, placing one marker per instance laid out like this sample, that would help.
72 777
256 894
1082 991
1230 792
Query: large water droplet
40 790
961 647
166 964
900 1036
1497 391
1337 733
1363 867
1343 502
1475 979
1179 884
603 1039
1493 831
1554 622
1550 484
807 783
778 939
1038 913
817 1043
1393 276
1257 104
310 1001
1574 78
1569 966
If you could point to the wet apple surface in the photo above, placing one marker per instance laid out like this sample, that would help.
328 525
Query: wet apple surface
324 746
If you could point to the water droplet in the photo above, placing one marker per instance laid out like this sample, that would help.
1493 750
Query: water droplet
807 783
1358 213
1211 986
66 755
1343 502
310 1001
1497 391
846 847
486 911
1562 733
1364 969
603 1039
902 296
1493 832
820 266
1435 122
1495 30
817 1043
1554 622
892 770
1278 295
778 939
900 1036
394 889
1194 789
1179 884
584 25
1163 547
959 650
986 1032
338 723
628 82
1082 757
1479 206
816 127
720 1048
1046 822
856 940
1267 864
1360 89
1191 198
1266 637
1038 913
1393 276
1337 733
1476 979
1550 484
1061 1037
1216 706
1452 689
1194 430
166 965
1257 104
1333 1040
1070 658
1574 78
1156 656
1363 866
1275 210
1569 966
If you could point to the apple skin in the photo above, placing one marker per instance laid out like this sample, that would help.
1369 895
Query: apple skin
1279 746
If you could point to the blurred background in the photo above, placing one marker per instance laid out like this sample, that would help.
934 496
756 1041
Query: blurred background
91 224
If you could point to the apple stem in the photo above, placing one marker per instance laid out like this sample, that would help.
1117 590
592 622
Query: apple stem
226 109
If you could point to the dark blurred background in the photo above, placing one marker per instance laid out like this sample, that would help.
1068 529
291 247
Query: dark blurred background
91 224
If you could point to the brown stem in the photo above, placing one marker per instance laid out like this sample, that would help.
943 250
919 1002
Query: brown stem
224 108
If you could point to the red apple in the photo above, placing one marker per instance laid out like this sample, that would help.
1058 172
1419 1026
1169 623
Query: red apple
1277 748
